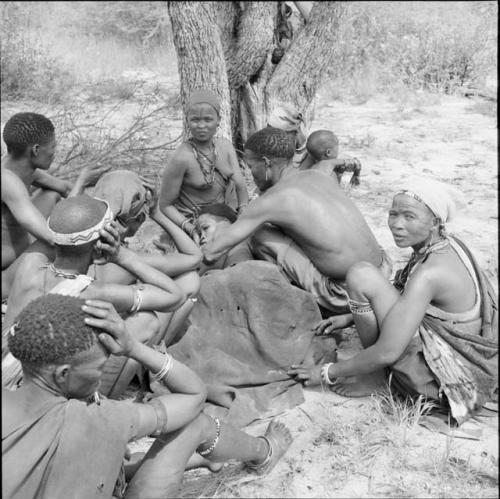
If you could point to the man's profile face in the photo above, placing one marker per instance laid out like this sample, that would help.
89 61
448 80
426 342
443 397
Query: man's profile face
45 153
207 225
258 168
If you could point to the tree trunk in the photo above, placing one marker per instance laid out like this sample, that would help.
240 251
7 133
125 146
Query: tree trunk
200 55
228 47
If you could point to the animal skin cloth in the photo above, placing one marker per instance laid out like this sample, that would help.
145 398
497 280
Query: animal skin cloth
46 438
124 191
455 353
248 326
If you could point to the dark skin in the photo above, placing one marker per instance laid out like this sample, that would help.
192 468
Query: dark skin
333 244
443 281
160 292
183 170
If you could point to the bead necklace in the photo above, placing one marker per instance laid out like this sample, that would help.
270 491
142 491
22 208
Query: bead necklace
201 158
59 273
419 257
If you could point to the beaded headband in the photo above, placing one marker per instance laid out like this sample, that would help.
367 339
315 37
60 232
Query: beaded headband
418 198
84 236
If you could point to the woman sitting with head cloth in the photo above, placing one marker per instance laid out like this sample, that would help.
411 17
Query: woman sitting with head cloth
435 328
203 170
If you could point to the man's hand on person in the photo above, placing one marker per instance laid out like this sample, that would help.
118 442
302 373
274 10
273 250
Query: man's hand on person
109 242
115 336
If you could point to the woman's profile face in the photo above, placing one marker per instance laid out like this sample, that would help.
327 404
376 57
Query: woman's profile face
203 121
409 221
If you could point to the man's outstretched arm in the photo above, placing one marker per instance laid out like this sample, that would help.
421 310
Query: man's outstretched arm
225 238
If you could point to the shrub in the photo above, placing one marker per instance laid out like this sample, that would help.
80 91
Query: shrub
28 71
425 45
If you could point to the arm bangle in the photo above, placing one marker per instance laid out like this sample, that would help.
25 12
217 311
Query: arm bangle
324 374
137 299
161 417
163 373
215 441
186 221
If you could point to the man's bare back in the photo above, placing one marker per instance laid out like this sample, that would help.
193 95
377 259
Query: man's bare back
314 211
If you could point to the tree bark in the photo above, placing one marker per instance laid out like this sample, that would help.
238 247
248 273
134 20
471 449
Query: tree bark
227 47
199 55
300 73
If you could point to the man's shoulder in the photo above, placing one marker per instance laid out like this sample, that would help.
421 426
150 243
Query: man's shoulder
10 180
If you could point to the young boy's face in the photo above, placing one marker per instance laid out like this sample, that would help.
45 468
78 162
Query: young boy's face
207 225
45 153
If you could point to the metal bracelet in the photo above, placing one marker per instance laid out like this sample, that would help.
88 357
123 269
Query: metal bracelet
324 374
215 441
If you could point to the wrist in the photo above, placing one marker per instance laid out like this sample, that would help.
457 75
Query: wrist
328 374
133 350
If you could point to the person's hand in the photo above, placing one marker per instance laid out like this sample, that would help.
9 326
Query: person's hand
328 326
190 229
92 172
115 336
356 165
109 242
66 189
151 195
308 375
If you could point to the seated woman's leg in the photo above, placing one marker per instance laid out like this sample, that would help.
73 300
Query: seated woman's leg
371 296
162 469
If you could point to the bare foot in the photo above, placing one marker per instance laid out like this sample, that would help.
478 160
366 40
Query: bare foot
197 461
360 386
279 439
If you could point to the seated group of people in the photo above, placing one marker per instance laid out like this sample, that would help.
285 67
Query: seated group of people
85 313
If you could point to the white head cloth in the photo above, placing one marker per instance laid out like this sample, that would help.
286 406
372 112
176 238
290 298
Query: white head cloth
441 199
84 236
286 118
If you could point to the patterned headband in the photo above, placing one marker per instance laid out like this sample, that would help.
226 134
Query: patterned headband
84 236
418 198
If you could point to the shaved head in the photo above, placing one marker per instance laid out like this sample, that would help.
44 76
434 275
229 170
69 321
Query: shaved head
322 144
76 214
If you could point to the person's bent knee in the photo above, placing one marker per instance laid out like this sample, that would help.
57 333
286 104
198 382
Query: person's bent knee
360 276
190 283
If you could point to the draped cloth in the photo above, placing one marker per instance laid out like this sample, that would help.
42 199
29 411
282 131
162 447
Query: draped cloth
248 326
45 447
463 356
124 191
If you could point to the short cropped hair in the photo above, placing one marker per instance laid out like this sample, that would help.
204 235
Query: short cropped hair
219 210
51 330
76 213
272 142
26 129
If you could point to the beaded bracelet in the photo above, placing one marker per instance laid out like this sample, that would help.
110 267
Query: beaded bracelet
165 369
324 374
215 441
